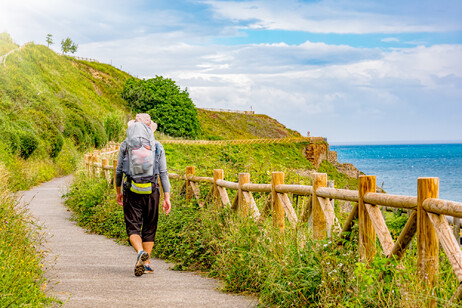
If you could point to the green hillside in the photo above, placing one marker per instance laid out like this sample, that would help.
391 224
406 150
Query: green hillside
51 106
6 44
228 125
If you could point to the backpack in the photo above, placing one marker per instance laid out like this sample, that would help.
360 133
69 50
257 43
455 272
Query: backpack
141 163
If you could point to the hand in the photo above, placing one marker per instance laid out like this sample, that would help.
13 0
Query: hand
120 196
166 206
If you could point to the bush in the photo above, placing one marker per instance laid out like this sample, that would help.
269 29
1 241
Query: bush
67 159
56 143
169 107
10 138
113 126
28 142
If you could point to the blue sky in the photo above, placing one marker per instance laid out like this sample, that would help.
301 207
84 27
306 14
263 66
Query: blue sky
349 70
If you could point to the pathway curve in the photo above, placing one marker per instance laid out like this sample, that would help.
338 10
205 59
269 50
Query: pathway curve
3 58
93 271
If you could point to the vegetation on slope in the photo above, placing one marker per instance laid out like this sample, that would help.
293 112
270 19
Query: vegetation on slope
21 266
169 106
51 106
217 125
6 44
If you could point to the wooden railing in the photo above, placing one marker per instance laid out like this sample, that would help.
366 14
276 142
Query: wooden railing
427 219
230 110
247 141
85 59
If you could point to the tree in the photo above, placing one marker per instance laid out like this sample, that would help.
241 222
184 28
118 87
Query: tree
68 45
49 39
172 109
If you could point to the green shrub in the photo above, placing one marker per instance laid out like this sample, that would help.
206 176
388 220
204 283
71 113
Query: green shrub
114 126
172 109
56 142
10 138
28 143
67 159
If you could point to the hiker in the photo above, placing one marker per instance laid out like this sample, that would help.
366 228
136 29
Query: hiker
141 208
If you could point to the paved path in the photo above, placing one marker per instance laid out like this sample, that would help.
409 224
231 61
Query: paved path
93 271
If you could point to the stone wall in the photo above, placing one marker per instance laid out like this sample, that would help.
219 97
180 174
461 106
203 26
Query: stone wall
316 153
319 151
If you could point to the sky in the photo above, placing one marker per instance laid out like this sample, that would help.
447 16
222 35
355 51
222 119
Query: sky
352 71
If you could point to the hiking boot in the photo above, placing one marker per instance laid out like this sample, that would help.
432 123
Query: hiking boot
148 269
143 256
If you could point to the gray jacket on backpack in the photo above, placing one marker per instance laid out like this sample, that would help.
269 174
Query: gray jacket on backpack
160 166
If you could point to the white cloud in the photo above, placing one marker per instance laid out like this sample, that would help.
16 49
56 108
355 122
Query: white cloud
390 39
329 17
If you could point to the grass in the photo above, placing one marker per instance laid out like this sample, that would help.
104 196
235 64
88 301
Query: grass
6 44
50 104
241 126
21 266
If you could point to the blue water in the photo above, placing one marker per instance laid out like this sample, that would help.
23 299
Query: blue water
397 167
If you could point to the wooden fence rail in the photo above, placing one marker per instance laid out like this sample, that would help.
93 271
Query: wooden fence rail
427 220
247 141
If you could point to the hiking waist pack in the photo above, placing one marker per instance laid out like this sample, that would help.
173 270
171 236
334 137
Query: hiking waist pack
140 148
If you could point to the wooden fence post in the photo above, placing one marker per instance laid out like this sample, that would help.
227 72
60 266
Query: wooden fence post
114 167
278 210
427 239
94 161
367 183
218 174
456 229
189 171
318 218
243 207
219 193
104 163
90 164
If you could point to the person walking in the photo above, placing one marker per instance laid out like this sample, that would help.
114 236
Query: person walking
141 210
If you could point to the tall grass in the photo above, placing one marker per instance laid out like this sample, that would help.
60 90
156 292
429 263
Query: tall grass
282 270
21 261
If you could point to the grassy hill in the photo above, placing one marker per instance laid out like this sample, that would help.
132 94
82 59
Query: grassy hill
6 44
51 106
228 125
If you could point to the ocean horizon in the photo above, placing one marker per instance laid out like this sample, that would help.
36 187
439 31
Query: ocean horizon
398 166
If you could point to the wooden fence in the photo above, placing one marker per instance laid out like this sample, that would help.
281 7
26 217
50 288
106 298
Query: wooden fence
427 219
247 141
230 110
85 59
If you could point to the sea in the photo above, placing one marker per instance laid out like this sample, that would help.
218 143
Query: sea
397 167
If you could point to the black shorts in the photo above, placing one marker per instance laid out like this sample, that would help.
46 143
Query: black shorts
141 212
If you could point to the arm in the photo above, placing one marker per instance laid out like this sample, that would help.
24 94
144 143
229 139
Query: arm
166 205
120 171
163 174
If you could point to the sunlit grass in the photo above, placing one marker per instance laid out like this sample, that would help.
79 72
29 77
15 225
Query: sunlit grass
21 258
